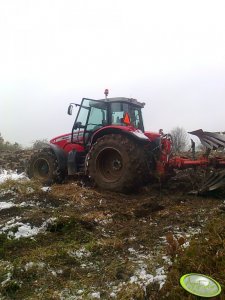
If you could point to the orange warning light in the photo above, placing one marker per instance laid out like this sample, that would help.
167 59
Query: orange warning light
126 119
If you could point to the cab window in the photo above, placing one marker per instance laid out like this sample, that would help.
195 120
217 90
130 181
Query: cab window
118 111
98 115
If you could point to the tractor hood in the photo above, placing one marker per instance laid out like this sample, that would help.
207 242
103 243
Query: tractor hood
65 138
64 142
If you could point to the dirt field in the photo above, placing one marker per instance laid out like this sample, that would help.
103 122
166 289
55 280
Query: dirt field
71 241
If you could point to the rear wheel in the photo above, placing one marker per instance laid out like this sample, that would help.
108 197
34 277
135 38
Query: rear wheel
43 166
116 163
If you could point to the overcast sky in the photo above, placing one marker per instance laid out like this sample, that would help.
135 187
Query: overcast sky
169 54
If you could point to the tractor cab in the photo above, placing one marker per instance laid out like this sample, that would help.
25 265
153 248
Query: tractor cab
112 112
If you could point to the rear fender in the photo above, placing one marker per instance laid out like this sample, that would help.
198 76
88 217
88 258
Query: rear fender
61 156
137 135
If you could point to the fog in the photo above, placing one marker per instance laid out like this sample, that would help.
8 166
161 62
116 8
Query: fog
168 54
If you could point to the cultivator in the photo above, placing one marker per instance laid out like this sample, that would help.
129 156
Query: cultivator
109 145
211 140
214 165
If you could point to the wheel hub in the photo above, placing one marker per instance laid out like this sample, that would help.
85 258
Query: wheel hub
41 168
116 165
109 164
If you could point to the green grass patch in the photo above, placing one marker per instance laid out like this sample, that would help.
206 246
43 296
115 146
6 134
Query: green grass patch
205 255
12 248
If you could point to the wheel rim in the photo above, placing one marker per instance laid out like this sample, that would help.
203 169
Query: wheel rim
109 164
41 168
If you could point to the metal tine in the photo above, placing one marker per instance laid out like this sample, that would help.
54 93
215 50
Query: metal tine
213 187
214 182
217 185
217 136
217 178
210 139
210 145
214 141
207 145
211 181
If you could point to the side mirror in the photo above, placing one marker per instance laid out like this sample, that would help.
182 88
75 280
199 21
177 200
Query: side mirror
70 109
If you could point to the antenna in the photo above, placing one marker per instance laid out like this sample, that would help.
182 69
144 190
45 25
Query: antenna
106 92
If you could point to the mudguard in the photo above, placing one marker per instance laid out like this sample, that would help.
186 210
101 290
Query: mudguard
61 156
135 134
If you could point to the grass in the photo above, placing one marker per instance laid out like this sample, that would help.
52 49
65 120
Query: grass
21 187
49 255
86 248
205 255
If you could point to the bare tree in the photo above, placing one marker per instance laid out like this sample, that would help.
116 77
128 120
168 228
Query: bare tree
180 139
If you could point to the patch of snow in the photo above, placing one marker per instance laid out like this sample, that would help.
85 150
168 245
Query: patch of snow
24 204
82 252
5 205
8 174
30 265
13 220
95 295
54 273
160 277
112 295
23 230
141 277
185 245
7 192
30 190
167 260
133 279
131 250
46 189
9 204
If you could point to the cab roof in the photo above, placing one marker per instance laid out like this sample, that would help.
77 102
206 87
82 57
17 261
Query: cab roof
124 99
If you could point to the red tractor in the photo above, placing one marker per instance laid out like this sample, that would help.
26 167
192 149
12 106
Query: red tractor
109 145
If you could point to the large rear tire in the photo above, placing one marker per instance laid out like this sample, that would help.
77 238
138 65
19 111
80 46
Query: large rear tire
43 166
116 163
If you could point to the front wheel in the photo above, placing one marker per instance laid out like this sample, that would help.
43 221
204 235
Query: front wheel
116 163
43 166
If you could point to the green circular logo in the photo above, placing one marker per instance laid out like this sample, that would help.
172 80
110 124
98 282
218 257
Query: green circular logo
200 285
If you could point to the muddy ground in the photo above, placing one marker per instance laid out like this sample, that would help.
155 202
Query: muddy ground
72 241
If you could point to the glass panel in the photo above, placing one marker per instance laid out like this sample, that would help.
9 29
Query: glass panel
97 117
83 113
136 117
118 111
